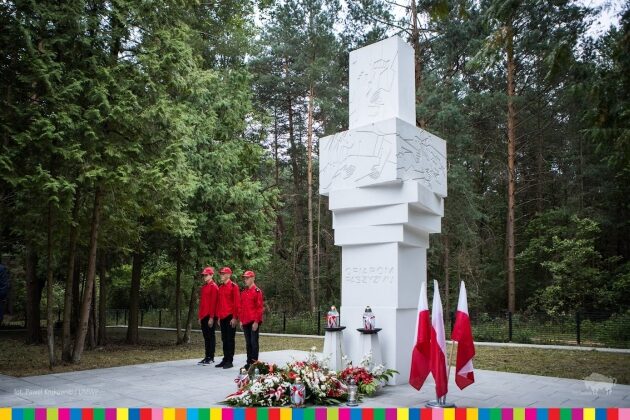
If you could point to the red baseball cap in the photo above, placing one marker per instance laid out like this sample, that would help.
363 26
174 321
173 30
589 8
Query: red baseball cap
249 273
225 270
207 270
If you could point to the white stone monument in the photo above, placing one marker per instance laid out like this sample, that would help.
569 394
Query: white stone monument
386 181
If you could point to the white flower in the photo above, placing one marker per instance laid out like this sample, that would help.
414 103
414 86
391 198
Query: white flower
378 370
366 360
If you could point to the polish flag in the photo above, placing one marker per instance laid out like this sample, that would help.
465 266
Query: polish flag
462 333
438 345
421 353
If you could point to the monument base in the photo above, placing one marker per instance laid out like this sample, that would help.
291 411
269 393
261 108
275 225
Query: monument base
386 277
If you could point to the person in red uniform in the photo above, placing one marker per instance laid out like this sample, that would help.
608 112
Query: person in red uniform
228 314
208 302
251 316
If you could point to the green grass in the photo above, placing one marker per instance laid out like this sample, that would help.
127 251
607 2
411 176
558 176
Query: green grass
18 359
573 364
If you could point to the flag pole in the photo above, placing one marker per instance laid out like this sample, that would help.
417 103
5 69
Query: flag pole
450 360
443 403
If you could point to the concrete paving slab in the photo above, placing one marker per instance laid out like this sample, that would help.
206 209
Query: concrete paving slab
182 383
47 380
13 401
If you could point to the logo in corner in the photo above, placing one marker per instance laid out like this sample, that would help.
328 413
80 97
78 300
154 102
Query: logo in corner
598 383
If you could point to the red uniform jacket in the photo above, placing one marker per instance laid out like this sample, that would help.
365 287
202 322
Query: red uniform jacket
229 300
252 305
208 300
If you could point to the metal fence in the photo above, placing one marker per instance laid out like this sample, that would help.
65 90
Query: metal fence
310 323
580 328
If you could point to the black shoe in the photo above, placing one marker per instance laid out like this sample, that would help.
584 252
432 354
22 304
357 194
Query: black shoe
205 361
221 364
228 365
246 367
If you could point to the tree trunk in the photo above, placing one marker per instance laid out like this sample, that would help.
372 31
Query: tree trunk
134 298
309 160
447 263
275 147
50 322
76 297
415 42
102 303
33 297
79 342
178 292
189 318
66 340
279 222
293 152
299 214
92 321
540 162
511 125
318 248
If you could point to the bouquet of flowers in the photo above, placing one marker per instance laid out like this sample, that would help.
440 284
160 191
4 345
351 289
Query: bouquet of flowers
322 386
272 387
368 379
266 390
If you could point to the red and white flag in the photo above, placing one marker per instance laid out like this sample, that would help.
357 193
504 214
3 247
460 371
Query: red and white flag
438 345
462 333
421 353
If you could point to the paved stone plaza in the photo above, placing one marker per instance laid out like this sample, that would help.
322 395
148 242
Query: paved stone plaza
184 384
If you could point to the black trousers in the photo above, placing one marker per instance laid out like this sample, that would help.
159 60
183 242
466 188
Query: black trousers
208 337
251 342
228 335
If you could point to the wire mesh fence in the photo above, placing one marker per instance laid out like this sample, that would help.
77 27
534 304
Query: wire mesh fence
580 328
308 323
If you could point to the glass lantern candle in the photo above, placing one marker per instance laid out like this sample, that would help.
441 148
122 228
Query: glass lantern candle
353 390
298 391
332 318
369 321
242 379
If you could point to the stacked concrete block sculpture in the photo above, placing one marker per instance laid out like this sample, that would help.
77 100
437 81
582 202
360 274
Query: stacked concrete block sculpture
386 182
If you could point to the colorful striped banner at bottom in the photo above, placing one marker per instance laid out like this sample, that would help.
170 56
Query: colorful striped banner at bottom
313 413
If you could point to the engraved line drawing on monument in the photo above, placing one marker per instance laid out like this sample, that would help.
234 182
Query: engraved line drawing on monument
382 77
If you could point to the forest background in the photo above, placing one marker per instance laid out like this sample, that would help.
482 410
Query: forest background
142 141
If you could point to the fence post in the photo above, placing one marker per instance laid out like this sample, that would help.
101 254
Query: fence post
160 318
577 326
510 326
116 316
452 321
284 322
125 316
141 318
319 321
